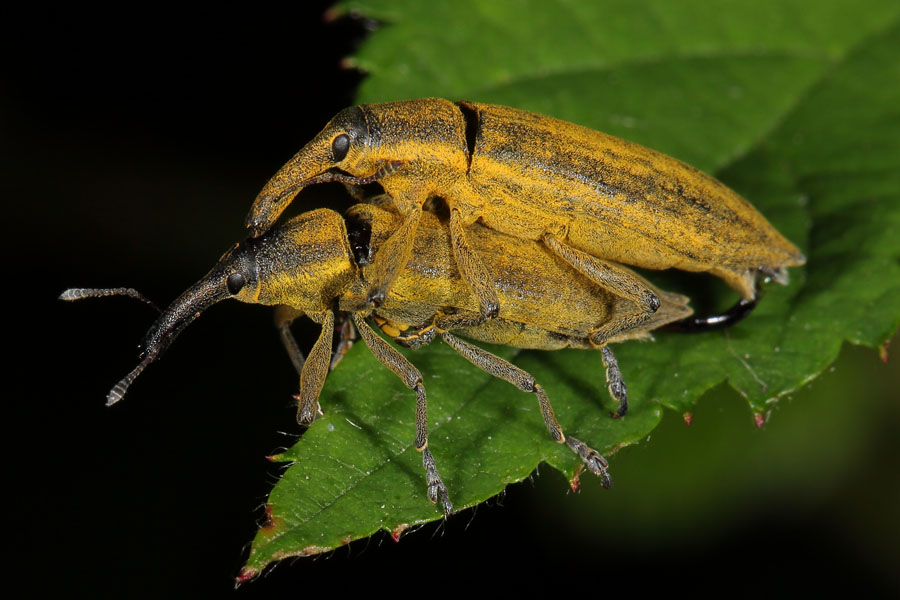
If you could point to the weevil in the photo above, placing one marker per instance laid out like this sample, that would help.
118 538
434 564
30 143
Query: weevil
597 202
319 265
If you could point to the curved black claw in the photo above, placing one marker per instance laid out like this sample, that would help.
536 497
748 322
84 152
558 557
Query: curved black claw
712 323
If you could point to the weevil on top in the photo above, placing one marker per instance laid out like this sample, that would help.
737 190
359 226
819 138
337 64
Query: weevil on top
595 201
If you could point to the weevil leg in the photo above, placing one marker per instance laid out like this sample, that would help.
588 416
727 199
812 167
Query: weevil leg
284 316
417 338
621 322
609 275
346 335
393 255
315 369
344 332
472 268
496 366
357 192
402 368
617 388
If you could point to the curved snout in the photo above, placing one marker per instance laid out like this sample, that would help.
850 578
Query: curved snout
182 313
234 275
313 160
342 143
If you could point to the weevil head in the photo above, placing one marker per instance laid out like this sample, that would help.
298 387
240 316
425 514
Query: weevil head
417 142
235 275
305 264
341 146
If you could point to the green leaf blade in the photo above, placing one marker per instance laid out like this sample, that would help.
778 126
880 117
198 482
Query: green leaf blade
355 473
793 104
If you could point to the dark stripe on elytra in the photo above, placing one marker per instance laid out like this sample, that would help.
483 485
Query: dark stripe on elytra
607 182
594 172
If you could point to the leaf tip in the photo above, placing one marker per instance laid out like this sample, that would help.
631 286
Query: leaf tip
246 574
270 519
759 419
575 482
397 531
688 418
269 528
332 14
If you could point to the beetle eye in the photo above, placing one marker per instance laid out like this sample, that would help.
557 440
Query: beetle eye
340 146
235 282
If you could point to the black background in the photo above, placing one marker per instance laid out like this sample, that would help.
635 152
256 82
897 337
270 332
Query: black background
133 144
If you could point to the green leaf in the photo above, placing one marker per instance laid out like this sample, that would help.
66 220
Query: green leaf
795 104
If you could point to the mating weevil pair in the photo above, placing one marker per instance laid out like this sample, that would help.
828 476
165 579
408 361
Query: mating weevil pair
496 224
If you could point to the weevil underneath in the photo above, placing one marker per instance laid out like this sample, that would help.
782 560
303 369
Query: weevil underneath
311 265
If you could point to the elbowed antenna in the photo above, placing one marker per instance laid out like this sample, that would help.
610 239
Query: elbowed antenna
220 283
73 294
119 390
172 322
